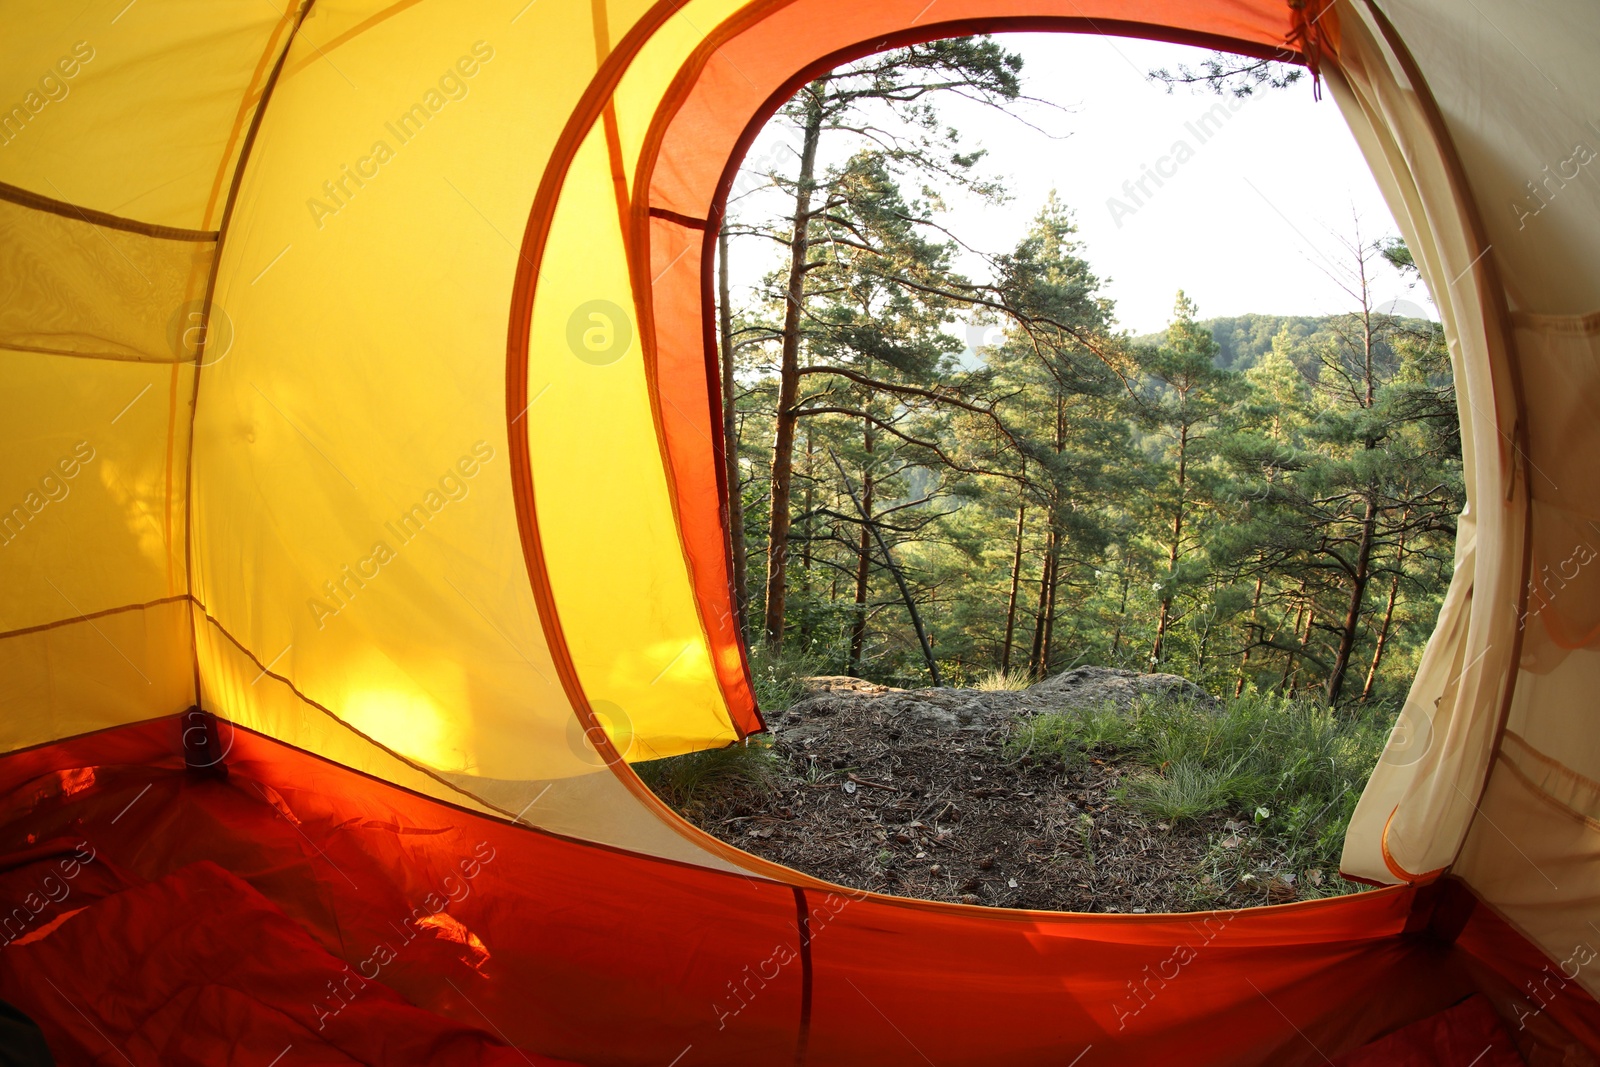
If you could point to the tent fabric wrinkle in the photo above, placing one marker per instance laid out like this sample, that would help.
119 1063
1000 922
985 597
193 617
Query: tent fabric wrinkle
361 420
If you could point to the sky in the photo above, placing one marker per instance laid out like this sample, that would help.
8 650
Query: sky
1248 217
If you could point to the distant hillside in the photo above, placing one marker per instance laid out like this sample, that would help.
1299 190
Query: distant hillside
1244 339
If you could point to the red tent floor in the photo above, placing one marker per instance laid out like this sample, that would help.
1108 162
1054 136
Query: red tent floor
298 909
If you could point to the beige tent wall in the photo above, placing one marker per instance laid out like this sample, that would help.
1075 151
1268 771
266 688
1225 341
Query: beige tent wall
1419 800
1531 89
1504 793
1532 850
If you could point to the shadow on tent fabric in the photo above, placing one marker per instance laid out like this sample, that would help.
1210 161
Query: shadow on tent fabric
157 916
1468 1034
21 1043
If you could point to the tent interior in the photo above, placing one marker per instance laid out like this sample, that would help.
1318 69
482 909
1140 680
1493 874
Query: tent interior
341 586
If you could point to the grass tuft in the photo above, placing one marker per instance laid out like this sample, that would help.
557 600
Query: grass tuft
779 679
997 681
1180 791
748 768
1072 736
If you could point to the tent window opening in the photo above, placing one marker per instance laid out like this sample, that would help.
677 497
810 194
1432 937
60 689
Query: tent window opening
1092 466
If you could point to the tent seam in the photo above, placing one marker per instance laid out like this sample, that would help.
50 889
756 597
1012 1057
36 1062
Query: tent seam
245 103
102 613
1543 795
223 228
352 33
77 213
295 690
108 357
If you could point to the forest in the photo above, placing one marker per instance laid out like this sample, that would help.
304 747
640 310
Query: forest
950 464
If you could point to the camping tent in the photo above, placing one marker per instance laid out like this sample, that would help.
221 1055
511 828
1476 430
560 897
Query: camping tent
358 396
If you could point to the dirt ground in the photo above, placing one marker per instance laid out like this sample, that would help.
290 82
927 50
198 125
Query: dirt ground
874 801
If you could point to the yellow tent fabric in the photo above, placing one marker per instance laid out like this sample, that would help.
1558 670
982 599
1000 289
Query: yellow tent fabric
336 382
265 449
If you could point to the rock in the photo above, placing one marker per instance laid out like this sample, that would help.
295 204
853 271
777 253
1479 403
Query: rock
1090 687
922 712
830 683
918 711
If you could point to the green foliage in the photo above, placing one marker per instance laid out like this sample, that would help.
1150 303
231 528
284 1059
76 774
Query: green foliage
779 677
1073 736
1291 769
1255 501
1228 74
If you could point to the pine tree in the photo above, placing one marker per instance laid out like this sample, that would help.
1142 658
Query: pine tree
904 81
1187 399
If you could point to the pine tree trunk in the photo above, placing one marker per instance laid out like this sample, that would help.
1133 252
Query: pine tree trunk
730 437
1044 631
1358 593
1388 618
806 508
899 580
1244 659
789 376
1299 616
1122 610
858 622
1050 609
1165 615
806 616
1016 582
1305 642
1369 518
1036 656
